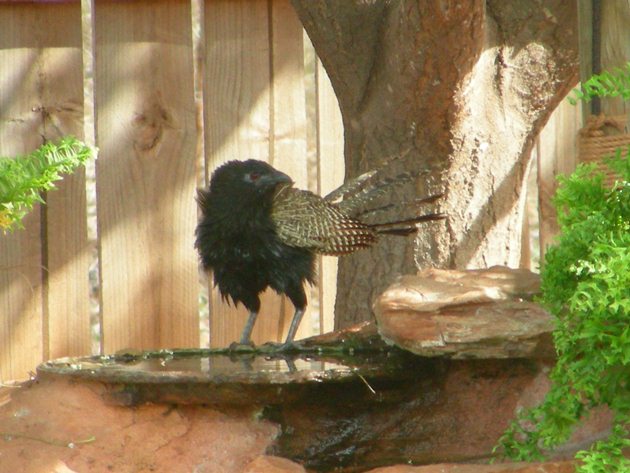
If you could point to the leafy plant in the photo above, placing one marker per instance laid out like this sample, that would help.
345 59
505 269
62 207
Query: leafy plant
606 84
22 179
585 283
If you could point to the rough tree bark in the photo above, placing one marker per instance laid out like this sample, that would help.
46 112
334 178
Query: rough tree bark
465 86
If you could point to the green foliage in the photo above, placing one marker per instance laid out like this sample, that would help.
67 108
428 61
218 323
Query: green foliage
23 178
585 283
606 84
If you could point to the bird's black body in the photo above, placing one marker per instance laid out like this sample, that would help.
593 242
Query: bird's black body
257 231
237 239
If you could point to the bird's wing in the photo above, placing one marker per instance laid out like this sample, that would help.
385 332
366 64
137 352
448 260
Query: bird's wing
305 220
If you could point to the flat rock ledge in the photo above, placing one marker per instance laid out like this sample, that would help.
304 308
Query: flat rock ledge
483 313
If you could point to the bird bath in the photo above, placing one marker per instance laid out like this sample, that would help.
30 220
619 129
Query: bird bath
337 409
221 377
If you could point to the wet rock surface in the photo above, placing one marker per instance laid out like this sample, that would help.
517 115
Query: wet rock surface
486 313
220 378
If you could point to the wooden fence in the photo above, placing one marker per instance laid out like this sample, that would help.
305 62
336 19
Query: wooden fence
166 90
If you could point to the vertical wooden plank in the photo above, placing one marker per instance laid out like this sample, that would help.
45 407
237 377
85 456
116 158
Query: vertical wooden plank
531 226
236 81
615 49
585 38
289 103
237 119
68 259
67 251
21 304
526 255
44 288
557 154
21 313
289 127
146 174
330 147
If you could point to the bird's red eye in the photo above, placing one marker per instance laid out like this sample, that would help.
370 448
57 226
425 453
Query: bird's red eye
253 176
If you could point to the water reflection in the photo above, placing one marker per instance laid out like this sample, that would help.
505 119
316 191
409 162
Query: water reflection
206 365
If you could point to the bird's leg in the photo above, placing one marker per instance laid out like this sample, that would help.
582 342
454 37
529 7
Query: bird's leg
288 345
295 323
246 336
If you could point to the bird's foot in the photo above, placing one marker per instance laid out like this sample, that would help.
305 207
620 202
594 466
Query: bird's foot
242 347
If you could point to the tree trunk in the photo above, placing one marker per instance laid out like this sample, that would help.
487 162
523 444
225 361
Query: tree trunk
461 87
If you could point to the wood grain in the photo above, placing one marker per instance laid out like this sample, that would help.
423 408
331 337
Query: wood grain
615 49
237 100
44 303
146 174
289 127
68 254
21 302
557 154
331 175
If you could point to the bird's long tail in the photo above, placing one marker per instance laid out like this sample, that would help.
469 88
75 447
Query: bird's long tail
348 191
407 226
401 205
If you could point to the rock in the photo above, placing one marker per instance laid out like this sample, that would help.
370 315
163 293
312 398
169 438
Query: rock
362 336
269 464
220 378
64 426
426 411
486 313
449 411
550 467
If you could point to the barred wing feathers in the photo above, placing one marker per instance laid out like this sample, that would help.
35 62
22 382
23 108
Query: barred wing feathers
303 219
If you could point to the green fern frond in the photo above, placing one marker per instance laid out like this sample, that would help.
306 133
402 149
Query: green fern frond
23 178
615 83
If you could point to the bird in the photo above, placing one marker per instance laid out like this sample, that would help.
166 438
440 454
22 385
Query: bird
256 230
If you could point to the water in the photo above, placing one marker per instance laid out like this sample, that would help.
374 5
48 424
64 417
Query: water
215 376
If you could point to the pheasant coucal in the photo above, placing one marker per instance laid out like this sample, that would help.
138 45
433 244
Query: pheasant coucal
257 231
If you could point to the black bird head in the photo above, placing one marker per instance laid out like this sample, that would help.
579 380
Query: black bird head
251 177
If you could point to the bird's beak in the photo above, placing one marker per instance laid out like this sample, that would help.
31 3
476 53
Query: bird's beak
275 179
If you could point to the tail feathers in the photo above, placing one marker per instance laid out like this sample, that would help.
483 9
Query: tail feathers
361 197
348 189
407 226
423 201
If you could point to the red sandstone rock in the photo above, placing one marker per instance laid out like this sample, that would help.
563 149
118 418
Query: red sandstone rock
484 313
270 464
63 427
551 467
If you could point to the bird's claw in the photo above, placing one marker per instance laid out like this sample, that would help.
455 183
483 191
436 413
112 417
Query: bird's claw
240 347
